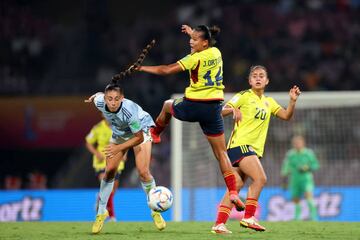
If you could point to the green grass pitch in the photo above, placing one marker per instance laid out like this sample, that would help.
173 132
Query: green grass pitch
175 231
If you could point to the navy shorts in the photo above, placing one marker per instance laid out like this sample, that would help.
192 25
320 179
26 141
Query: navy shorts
236 154
207 114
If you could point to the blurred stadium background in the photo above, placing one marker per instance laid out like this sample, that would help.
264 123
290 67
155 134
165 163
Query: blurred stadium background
53 54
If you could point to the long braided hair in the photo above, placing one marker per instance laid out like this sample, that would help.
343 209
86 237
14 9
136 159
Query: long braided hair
126 73
116 79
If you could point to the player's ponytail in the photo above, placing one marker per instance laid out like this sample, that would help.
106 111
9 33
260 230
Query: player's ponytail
209 34
215 31
124 74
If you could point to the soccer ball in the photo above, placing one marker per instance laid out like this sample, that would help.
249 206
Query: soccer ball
160 199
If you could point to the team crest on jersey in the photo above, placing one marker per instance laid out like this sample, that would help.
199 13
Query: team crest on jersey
135 125
266 104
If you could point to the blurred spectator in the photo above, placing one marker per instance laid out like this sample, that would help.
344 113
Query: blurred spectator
37 180
309 43
12 182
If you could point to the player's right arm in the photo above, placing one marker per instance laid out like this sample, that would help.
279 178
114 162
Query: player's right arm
313 161
161 69
92 97
233 107
227 110
113 149
134 123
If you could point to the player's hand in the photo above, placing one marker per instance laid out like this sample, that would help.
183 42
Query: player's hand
91 99
304 168
100 156
237 116
111 150
135 67
294 93
186 29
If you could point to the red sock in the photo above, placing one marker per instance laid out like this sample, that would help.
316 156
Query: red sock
159 128
223 214
110 205
250 207
230 181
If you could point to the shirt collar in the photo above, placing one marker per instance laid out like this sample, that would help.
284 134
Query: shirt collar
107 109
261 97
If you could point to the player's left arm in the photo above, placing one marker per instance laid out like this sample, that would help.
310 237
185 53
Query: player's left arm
113 149
286 114
186 29
285 172
285 166
161 69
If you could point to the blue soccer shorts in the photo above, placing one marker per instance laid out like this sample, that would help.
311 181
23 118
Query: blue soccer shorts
206 113
236 154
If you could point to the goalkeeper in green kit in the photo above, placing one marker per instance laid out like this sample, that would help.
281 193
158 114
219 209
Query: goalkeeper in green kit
298 165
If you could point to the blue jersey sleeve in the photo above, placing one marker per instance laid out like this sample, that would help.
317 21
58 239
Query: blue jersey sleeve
134 121
99 101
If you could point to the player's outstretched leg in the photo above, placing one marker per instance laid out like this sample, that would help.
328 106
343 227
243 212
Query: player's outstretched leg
239 205
161 121
219 148
155 133
159 221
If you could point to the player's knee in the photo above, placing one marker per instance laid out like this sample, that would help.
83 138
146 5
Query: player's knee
167 105
168 102
262 180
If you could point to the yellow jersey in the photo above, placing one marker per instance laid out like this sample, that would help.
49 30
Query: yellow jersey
100 135
206 75
256 111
